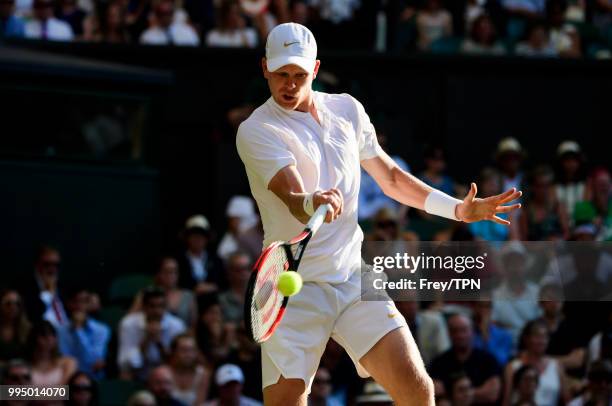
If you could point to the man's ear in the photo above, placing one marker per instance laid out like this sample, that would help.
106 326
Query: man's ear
316 68
264 68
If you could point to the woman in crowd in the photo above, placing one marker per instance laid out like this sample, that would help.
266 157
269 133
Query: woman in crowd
48 366
483 38
551 382
14 326
215 338
231 30
82 389
191 378
433 23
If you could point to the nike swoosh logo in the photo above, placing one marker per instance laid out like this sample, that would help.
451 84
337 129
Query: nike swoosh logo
286 44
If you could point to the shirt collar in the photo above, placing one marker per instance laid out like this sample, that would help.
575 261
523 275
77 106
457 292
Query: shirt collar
296 113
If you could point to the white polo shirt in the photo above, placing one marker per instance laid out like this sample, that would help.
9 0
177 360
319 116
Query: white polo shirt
326 155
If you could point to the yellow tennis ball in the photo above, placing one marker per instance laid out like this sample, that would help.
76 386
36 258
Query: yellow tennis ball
289 283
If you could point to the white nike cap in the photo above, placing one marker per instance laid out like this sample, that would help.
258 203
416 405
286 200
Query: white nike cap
291 44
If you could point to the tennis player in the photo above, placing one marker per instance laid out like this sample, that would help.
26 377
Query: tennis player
301 149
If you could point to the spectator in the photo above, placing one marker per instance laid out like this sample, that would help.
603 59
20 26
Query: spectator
473 10
10 24
191 379
483 38
145 336
480 366
215 337
552 387
14 326
241 216
525 380
427 327
488 336
201 270
229 379
17 372
509 157
165 31
82 389
515 301
543 218
181 302
563 36
113 24
374 395
598 391
602 16
69 12
597 210
231 30
320 394
247 356
160 384
570 186
266 14
433 23
386 227
46 27
489 185
537 43
299 12
42 296
461 390
142 398
232 300
435 165
83 337
48 366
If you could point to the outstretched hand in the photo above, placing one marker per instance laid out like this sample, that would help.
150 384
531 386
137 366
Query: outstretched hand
476 209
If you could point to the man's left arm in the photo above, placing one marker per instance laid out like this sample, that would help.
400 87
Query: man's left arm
411 191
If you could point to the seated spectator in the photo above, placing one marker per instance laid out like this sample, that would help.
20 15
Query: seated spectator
266 14
386 228
537 43
215 337
191 379
10 24
515 301
602 15
232 300
17 372
201 270
543 217
181 302
427 327
479 365
231 29
598 391
374 395
489 185
320 394
145 336
160 384
165 31
113 26
45 26
488 336
435 165
570 186
142 398
597 209
229 380
509 158
473 10
48 366
483 38
14 326
433 23
247 356
83 337
82 389
460 390
525 381
552 387
69 12
241 216
563 36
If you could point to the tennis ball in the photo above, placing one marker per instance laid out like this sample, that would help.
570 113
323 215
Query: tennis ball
289 283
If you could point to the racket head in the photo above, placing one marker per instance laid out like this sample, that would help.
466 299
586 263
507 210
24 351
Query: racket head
265 304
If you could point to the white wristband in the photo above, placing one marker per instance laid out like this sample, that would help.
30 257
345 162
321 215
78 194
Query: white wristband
308 204
441 204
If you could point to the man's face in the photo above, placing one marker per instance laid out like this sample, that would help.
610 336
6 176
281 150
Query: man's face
186 352
160 383
154 308
290 85
460 331
168 274
19 375
239 271
79 303
164 13
48 265
231 391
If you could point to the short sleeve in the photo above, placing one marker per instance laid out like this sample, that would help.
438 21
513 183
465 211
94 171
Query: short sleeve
263 152
366 134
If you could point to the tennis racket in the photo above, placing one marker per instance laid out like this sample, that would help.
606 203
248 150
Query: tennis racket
265 304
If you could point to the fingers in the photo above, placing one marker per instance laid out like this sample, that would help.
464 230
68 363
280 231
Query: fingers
508 196
472 193
500 221
334 198
507 209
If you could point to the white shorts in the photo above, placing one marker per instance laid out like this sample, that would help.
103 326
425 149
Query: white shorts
320 311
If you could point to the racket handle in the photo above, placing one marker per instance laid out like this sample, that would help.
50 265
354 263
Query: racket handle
318 218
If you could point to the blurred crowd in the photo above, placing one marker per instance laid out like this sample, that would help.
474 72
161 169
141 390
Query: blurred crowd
175 335
532 28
